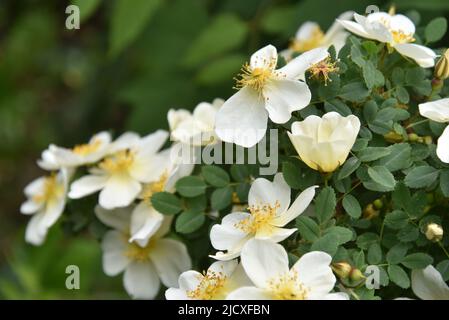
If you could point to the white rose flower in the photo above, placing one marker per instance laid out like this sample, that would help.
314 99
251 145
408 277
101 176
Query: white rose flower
428 284
438 111
310 36
265 92
266 264
270 211
216 283
395 30
46 202
57 157
145 267
131 161
195 128
324 143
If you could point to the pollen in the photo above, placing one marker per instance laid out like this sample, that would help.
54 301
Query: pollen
210 287
255 78
137 253
87 148
401 37
323 69
51 190
260 218
314 41
154 187
119 162
288 287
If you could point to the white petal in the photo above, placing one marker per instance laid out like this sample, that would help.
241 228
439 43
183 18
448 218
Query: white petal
437 110
35 187
175 117
297 67
170 258
285 96
428 284
336 296
225 268
315 273
418 53
36 231
249 293
274 234
298 207
306 30
164 228
264 58
336 28
119 191
402 23
114 246
87 185
30 206
145 221
222 256
273 193
141 280
355 28
176 294
117 218
443 146
151 143
53 211
127 140
226 236
189 280
264 260
242 119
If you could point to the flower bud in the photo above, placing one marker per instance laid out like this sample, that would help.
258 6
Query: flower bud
356 275
442 67
370 212
427 140
378 204
434 232
342 269
413 137
393 137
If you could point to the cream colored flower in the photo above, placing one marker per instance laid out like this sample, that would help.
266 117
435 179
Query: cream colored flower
428 284
324 143
56 157
265 92
395 30
266 264
438 111
310 36
195 128
46 202
145 267
270 211
216 283
131 161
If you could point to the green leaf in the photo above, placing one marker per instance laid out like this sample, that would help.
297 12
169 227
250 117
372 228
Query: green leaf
372 76
374 254
224 33
215 176
382 176
128 21
308 228
352 206
398 276
190 186
399 157
220 70
417 260
189 221
343 234
443 268
409 233
364 241
239 172
221 198
373 153
325 204
354 92
421 177
292 175
396 219
444 182
397 253
166 203
349 167
327 243
436 29
87 7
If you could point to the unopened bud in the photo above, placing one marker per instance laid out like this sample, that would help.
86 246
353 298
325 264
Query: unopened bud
392 10
413 137
442 67
434 232
393 137
356 275
378 204
427 140
342 269
370 212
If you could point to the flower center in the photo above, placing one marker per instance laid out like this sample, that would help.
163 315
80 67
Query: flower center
154 187
322 69
260 218
315 40
138 253
288 287
87 148
119 162
401 37
51 190
255 78
210 287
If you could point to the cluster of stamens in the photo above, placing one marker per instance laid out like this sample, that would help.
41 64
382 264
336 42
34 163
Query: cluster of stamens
260 218
314 41
51 190
154 187
256 78
138 253
323 69
119 162
288 287
87 148
210 286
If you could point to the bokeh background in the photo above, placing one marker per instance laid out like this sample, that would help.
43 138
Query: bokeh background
129 63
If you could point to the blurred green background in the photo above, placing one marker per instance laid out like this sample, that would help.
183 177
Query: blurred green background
130 62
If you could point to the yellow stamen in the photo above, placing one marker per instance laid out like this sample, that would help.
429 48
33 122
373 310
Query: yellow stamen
288 287
314 41
138 253
210 287
257 77
154 187
260 218
322 70
401 37
119 162
87 148
52 189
